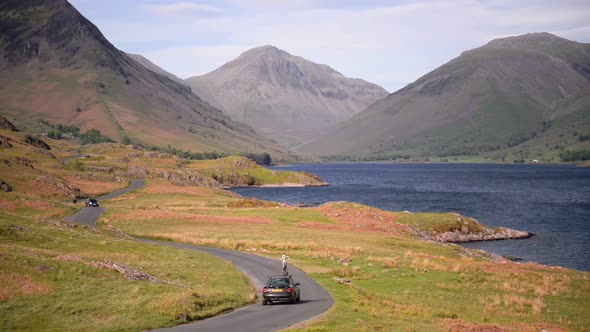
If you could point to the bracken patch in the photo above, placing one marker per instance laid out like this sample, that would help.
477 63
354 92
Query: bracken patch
159 214
12 285
357 218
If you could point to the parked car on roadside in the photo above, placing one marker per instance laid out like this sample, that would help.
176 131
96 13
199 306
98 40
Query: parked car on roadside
91 202
281 289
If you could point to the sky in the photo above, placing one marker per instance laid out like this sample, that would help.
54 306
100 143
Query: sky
390 43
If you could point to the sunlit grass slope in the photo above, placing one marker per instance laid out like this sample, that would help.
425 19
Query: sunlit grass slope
381 276
51 279
388 280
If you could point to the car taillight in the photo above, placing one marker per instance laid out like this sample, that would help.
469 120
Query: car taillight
264 290
289 290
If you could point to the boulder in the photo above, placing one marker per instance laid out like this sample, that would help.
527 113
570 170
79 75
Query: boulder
5 186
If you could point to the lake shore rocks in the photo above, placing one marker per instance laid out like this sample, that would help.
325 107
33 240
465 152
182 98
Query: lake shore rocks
463 235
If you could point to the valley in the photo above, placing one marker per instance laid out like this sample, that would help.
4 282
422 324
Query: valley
169 243
376 269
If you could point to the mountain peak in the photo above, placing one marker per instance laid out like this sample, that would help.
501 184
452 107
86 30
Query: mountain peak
286 97
486 102
526 40
265 50
51 31
77 77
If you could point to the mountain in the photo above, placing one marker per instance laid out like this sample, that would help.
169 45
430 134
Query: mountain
518 97
284 97
56 66
153 67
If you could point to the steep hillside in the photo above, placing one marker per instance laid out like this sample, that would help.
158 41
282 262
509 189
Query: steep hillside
518 97
56 66
284 97
155 68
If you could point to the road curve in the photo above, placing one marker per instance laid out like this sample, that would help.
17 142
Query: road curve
314 299
89 215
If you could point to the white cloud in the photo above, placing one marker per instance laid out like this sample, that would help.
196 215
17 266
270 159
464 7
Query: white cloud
181 8
385 42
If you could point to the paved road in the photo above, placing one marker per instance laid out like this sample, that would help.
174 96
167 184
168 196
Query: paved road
89 215
314 299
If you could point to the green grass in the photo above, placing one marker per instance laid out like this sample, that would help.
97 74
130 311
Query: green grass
439 222
40 292
396 281
235 165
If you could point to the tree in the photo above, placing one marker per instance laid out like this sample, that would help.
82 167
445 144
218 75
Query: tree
263 159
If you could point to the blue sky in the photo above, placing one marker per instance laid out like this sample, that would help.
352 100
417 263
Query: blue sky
390 43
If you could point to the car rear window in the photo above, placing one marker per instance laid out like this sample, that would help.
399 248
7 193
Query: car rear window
279 282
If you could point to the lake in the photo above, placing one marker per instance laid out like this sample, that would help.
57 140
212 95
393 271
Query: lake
551 201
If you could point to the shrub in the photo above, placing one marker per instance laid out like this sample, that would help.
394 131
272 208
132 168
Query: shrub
575 155
263 159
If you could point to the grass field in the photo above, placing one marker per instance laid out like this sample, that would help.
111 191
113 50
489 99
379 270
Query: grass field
51 279
53 276
395 280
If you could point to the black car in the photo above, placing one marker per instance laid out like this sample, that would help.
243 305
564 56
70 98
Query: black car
281 289
91 202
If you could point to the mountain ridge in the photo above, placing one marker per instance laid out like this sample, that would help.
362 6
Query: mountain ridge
488 100
283 96
56 66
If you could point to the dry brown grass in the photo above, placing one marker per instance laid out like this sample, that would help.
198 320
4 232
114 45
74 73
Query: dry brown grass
424 262
94 187
305 249
458 325
251 203
165 213
522 288
7 205
387 262
168 188
13 285
358 218
346 272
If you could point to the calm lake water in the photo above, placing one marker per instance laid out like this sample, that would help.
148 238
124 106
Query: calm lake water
551 201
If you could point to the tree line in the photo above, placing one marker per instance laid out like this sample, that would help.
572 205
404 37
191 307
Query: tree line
60 131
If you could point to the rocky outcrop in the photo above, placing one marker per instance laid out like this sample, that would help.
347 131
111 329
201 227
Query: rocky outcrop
32 140
466 235
235 180
100 169
5 124
188 178
129 272
244 163
181 177
136 172
62 187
